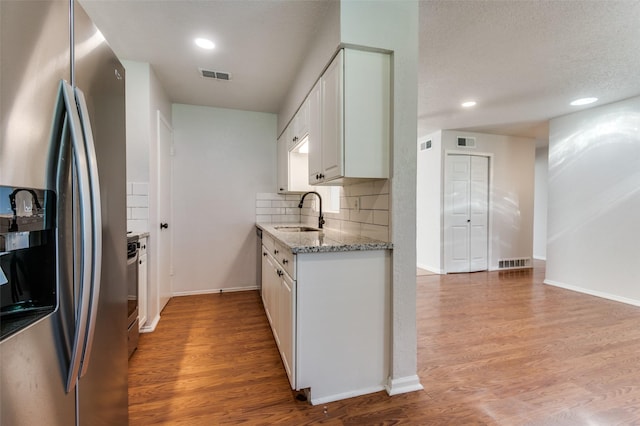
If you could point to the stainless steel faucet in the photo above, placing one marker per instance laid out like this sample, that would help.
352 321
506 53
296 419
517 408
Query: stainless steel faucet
321 217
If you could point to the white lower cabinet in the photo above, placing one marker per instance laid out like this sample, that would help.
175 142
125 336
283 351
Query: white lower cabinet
142 282
287 309
269 286
278 296
330 319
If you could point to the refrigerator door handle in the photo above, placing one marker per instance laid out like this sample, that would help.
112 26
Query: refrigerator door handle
84 204
96 228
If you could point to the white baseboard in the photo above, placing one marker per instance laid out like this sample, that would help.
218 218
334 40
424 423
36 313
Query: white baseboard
344 395
600 294
150 326
403 385
430 268
213 291
540 257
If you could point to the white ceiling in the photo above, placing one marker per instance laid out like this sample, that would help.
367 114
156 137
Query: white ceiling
261 43
522 61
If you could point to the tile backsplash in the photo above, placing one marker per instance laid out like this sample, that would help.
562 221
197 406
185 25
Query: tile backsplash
364 209
277 208
138 206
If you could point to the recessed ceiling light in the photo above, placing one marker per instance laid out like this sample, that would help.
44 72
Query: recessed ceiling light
583 101
469 104
204 43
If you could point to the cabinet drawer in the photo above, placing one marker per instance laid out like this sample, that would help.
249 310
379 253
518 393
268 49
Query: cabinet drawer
285 258
268 243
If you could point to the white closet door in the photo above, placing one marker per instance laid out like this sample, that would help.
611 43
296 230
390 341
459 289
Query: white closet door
466 213
479 214
457 212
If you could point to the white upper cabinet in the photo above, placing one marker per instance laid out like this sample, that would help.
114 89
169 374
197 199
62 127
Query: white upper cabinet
332 118
300 124
283 162
349 119
315 133
292 163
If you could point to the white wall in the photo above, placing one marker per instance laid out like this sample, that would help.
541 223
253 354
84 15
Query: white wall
144 97
512 170
393 25
223 158
512 176
594 201
540 204
138 120
429 205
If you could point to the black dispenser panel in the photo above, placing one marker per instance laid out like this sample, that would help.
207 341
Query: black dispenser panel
27 257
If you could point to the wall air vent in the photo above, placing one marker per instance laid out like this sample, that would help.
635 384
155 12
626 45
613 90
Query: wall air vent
425 145
216 75
517 263
466 142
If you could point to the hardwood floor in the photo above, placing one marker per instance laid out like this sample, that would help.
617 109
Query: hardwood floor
497 348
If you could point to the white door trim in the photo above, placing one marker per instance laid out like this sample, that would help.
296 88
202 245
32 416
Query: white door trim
162 121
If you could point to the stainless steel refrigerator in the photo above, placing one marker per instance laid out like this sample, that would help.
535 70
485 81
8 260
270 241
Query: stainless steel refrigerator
63 349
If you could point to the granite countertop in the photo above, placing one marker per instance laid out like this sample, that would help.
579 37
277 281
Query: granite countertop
326 240
138 234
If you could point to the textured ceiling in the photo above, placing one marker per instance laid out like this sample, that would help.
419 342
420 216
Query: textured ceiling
522 60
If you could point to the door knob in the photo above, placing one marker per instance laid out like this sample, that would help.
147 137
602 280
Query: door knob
164 225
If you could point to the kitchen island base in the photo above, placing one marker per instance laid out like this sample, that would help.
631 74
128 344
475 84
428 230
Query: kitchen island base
327 297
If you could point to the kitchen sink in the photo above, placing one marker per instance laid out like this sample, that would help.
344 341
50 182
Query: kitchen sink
296 229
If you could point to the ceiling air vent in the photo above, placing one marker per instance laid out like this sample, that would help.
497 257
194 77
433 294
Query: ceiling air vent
216 75
466 142
425 145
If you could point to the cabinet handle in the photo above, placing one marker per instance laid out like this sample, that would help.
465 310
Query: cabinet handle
264 254
140 262
280 273
276 251
285 261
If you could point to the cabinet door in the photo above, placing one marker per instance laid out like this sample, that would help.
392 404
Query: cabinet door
264 284
286 325
270 289
142 289
302 123
315 134
332 119
283 163
292 132
273 297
